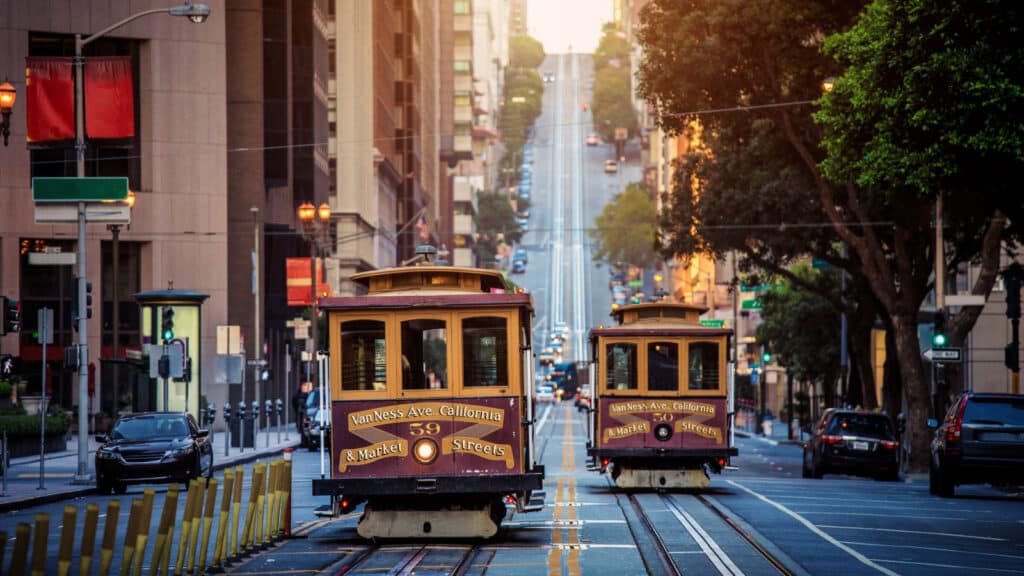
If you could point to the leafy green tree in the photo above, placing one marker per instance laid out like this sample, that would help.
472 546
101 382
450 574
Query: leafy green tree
495 222
612 46
612 106
803 329
525 51
626 229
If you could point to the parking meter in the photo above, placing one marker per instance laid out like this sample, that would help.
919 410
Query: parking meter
227 411
241 410
211 413
278 406
268 410
255 410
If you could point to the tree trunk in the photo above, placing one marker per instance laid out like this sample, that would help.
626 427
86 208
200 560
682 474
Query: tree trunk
860 362
891 386
916 389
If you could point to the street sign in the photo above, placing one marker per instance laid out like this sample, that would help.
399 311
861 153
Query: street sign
713 323
91 189
302 332
943 355
44 320
51 258
177 361
635 283
229 340
297 323
752 304
68 213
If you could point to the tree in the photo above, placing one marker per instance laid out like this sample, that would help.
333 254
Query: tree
612 46
625 229
803 328
613 105
524 51
495 222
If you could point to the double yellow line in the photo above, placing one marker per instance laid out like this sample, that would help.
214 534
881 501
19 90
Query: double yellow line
565 495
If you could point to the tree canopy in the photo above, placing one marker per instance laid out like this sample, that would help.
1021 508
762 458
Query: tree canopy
524 51
626 229
613 87
495 223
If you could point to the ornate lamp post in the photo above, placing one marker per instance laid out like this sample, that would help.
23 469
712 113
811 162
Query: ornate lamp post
315 223
7 97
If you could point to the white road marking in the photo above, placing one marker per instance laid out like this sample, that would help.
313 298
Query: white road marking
960 569
714 553
933 549
908 516
919 532
818 531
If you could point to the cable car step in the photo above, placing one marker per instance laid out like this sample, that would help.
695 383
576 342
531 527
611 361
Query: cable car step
536 502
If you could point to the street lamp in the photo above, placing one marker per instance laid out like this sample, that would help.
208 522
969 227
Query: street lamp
7 97
196 13
315 222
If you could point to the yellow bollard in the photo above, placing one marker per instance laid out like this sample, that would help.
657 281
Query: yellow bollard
236 504
128 555
261 500
278 510
165 526
67 541
164 560
92 514
275 469
186 525
19 556
39 541
250 511
197 519
225 512
287 495
109 536
142 530
211 500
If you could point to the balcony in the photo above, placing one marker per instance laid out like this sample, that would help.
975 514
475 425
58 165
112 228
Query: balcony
463 224
462 190
463 114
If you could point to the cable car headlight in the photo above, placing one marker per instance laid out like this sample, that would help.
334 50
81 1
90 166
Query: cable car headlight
424 450
663 432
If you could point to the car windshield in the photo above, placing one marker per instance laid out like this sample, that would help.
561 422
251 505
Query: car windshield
1005 411
869 425
147 427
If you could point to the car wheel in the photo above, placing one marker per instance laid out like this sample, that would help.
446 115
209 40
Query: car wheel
120 488
209 467
817 470
103 487
805 471
939 483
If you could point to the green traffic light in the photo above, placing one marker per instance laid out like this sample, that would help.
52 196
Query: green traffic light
168 335
766 357
939 339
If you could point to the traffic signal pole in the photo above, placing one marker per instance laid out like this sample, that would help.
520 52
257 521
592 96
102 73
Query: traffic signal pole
82 476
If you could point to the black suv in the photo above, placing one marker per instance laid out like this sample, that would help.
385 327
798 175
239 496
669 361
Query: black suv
980 441
852 442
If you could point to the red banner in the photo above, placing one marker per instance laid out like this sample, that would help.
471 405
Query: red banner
298 281
109 97
50 97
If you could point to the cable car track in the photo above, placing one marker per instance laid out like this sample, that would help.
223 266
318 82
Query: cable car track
422 560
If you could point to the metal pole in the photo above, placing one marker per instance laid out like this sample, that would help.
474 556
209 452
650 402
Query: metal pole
42 409
313 257
6 464
115 229
844 376
940 258
241 406
257 342
789 394
166 391
83 475
287 389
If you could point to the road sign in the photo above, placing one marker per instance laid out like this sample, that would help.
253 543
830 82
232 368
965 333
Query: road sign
51 258
297 323
713 323
943 355
67 213
176 358
752 304
301 333
635 283
91 189
44 320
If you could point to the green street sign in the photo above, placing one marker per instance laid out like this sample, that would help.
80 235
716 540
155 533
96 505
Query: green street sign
752 304
635 283
713 323
819 264
96 189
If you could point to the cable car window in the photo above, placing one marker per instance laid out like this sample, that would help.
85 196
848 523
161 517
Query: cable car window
363 355
424 354
663 367
621 369
485 351
703 366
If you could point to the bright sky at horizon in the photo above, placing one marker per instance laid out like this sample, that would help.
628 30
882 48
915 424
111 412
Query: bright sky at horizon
559 24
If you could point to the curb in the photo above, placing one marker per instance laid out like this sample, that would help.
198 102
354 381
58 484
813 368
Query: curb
88 490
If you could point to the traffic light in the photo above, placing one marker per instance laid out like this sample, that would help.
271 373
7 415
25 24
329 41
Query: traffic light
74 302
164 366
167 325
11 315
939 329
1012 357
766 356
1012 284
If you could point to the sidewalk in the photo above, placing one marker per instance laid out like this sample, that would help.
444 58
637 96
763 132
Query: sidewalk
779 435
60 468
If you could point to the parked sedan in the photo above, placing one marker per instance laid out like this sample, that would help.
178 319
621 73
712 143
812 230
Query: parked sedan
593 140
545 394
852 442
980 441
611 166
518 267
152 447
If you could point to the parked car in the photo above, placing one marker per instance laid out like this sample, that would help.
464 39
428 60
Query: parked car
611 166
520 254
523 213
549 77
561 328
523 223
593 140
313 428
518 267
545 394
583 398
150 447
852 442
310 418
980 441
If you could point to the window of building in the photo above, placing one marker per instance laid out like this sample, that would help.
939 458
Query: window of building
621 369
424 354
363 355
703 366
462 6
663 367
462 65
485 352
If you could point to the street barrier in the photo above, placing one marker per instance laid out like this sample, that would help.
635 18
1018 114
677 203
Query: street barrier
267 520
39 541
92 514
67 541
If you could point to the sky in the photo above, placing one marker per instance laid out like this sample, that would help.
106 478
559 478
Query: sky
561 23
